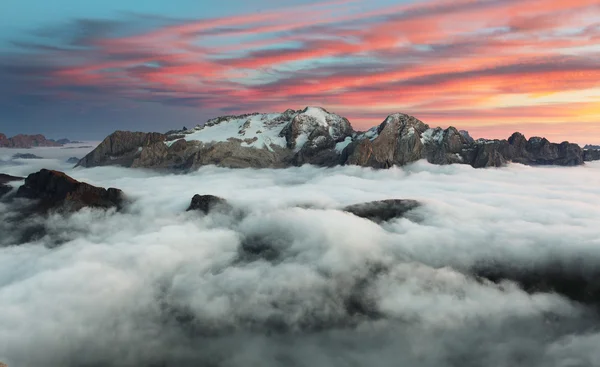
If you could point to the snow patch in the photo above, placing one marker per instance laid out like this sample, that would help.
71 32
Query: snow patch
318 114
372 133
257 131
432 136
339 147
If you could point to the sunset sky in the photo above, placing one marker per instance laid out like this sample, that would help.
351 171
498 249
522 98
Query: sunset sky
83 69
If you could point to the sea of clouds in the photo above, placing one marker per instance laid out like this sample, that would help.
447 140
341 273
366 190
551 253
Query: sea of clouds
155 285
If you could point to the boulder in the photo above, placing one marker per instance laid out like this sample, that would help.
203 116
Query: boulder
208 203
55 190
383 210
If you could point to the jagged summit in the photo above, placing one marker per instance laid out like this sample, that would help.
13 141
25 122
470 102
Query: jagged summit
290 129
316 136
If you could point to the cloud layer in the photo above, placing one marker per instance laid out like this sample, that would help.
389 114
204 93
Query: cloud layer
156 286
496 65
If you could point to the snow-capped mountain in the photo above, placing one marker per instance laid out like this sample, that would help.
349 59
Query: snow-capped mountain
319 137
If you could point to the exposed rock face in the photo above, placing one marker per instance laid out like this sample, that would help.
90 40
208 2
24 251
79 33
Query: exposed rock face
535 151
316 136
56 190
120 148
4 179
591 155
26 141
384 210
208 203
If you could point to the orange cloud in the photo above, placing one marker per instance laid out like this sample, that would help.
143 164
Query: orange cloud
447 61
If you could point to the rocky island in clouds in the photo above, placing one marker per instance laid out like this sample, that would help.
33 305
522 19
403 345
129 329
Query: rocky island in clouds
440 208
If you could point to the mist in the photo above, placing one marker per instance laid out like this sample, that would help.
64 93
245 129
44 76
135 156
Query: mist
154 285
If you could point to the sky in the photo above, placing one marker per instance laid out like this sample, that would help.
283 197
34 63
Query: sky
83 69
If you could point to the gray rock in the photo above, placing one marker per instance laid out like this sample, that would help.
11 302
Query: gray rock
208 203
466 137
358 153
488 154
121 148
232 155
591 155
55 190
310 136
398 142
25 156
384 210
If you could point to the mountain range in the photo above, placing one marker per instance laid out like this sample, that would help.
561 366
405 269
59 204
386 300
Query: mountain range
30 141
318 137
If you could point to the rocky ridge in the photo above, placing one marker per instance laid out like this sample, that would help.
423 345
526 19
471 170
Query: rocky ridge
316 136
54 190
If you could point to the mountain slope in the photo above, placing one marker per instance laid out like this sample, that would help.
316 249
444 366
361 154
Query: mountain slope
317 136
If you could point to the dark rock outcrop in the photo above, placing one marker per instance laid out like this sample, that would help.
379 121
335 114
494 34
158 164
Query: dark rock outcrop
208 203
535 151
591 155
383 210
575 282
4 180
54 190
26 156
26 141
65 141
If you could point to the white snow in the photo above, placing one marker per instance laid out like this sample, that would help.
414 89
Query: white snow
372 133
300 141
318 114
339 147
433 135
258 126
263 130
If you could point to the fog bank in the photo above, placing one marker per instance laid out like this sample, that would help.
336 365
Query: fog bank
154 285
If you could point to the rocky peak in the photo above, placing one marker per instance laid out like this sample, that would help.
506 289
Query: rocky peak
56 190
315 126
120 148
27 141
466 136
316 136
